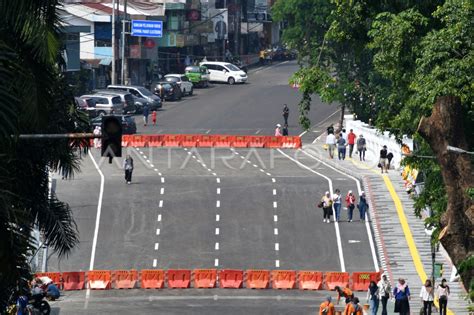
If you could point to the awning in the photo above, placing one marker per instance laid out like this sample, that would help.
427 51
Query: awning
105 62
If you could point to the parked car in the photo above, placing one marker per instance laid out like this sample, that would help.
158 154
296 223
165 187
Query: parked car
86 105
139 103
170 91
129 126
225 72
198 75
129 106
104 104
183 82
139 91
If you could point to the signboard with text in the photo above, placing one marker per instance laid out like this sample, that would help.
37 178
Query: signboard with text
147 28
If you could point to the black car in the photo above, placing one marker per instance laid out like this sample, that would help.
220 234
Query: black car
170 91
128 124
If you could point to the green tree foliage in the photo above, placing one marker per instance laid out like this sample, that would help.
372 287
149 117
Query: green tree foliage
33 99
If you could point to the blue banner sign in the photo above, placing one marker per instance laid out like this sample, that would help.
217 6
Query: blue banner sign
147 28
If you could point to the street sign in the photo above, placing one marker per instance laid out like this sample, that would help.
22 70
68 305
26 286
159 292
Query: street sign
147 28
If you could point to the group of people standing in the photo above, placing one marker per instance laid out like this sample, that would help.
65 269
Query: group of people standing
146 113
329 202
283 131
344 140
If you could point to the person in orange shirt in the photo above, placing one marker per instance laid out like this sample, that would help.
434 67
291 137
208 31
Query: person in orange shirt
344 292
353 307
327 308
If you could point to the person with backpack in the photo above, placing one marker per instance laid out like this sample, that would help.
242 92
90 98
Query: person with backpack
442 293
402 297
326 204
353 308
363 206
385 291
128 167
373 297
350 203
361 147
327 308
427 297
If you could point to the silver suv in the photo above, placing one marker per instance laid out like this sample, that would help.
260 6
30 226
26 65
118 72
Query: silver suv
139 91
105 104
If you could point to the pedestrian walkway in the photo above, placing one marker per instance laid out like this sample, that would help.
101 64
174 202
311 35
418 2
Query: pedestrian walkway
403 246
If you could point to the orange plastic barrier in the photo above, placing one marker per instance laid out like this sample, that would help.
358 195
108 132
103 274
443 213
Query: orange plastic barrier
283 279
138 141
205 278
178 278
189 140
310 280
291 142
255 141
152 279
257 279
99 279
73 280
240 142
155 141
125 279
55 276
361 280
171 140
125 140
273 142
334 279
222 141
205 141
231 278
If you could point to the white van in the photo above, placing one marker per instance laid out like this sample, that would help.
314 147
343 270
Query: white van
224 72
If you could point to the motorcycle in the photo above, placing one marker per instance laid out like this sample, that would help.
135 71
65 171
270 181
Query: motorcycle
23 305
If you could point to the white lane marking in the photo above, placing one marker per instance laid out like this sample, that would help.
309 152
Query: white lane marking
277 246
273 180
261 170
145 157
336 224
248 161
258 131
367 225
157 245
217 231
218 204
157 231
156 170
185 149
353 241
163 180
275 218
277 263
209 170
218 191
148 161
141 152
218 180
216 262
194 157
154 262
275 231
160 204
189 153
214 174
99 210
159 218
207 132
275 204
274 192
162 190
255 165
204 165
216 247
159 174
218 217
242 157
151 165
268 174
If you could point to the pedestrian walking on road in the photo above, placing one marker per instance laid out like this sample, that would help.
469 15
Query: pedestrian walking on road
326 203
383 161
353 308
442 293
331 144
402 297
327 308
337 204
97 132
363 206
284 130
128 167
278 130
146 112
341 147
345 293
351 141
385 291
286 113
344 134
350 202
373 297
389 159
427 297
153 117
361 147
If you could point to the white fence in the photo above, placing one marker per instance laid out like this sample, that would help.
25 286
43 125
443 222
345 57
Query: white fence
376 140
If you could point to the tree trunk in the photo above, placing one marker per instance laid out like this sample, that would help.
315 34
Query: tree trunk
341 119
445 127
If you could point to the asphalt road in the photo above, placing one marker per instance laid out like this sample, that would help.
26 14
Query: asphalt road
212 208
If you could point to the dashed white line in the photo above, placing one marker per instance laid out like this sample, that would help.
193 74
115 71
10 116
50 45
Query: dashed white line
216 247
218 204
163 180
162 190
144 156
148 161
189 153
248 161
157 231
277 246
274 192
261 170
275 231
160 204
273 180
268 174
194 157
275 204
277 263
156 170
218 180
275 218
151 165
157 245
204 165
255 165
209 170
185 149
218 191
217 231
216 262
159 174
159 218
154 262
214 174
242 157
218 217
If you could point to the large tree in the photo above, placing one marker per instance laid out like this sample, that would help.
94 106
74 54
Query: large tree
33 99
410 72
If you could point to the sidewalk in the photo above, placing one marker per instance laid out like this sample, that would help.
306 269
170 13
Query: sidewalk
403 246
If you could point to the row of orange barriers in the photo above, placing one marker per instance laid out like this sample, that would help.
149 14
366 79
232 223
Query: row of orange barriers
211 278
211 141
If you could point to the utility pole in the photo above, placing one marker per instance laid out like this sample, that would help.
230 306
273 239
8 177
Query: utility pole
124 61
224 40
113 43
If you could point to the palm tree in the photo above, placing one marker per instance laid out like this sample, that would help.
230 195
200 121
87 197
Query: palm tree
33 99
